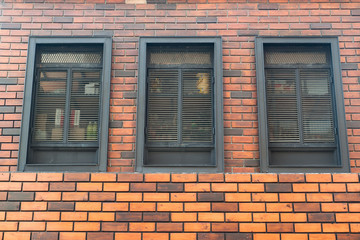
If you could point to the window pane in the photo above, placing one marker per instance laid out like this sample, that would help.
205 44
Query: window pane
70 57
295 56
282 105
84 105
50 106
316 106
197 118
162 112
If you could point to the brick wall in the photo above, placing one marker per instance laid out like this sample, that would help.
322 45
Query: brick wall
78 206
177 206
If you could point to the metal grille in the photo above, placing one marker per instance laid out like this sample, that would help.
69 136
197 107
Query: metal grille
179 57
71 57
84 105
282 104
296 56
50 106
162 108
316 104
197 119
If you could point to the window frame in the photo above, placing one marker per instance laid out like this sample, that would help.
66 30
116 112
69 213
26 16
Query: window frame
29 103
217 101
338 105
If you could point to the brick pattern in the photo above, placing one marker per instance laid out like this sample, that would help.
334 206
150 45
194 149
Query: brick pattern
110 206
238 22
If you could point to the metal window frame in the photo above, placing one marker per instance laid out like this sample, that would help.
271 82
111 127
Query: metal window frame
338 99
28 104
218 105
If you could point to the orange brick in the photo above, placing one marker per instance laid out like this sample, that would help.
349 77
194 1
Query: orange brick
266 236
334 207
237 178
354 207
33 206
8 226
197 207
293 217
132 236
251 187
197 227
305 187
353 187
319 197
49 177
237 197
292 197
184 177
322 237
169 207
72 236
157 177
59 226
156 197
75 196
87 187
252 227
335 227
46 216
88 206
252 207
74 216
332 187
115 207
142 207
264 197
307 227
292 177
322 177
345 177
17 216
183 217
16 235
266 217
31 226
10 186
116 187
35 186
238 217
183 197
23 177
169 227
210 217
86 226
197 187
141 227
155 236
347 217
103 177
224 187
211 177
293 236
48 196
101 216
182 236
131 197
264 177
355 227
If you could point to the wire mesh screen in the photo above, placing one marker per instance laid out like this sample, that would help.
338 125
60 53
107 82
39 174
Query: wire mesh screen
50 106
282 106
84 105
295 56
316 104
197 119
162 108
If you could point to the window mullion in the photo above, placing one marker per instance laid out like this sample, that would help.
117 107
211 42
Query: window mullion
67 106
180 100
299 105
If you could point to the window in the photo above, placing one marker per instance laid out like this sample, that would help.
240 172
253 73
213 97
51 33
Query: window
301 106
179 121
66 105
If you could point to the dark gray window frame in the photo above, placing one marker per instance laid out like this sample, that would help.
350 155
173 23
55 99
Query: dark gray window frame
339 111
28 104
218 105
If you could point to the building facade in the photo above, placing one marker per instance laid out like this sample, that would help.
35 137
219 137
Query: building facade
179 119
